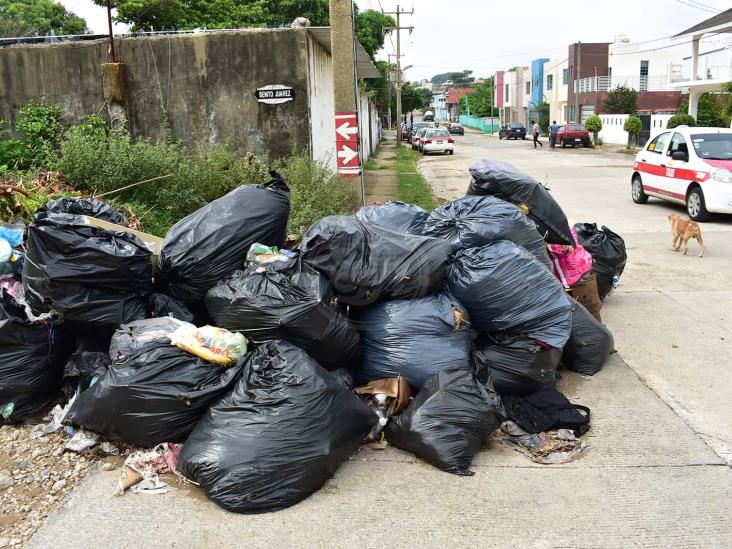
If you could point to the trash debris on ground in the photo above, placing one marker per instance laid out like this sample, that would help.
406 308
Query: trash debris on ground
366 263
608 254
570 263
395 216
387 397
262 254
153 394
281 433
474 221
212 243
448 420
585 291
210 343
502 180
547 448
287 301
547 410
413 338
81 440
141 470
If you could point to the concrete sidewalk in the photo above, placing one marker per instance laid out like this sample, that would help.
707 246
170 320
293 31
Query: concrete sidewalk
381 183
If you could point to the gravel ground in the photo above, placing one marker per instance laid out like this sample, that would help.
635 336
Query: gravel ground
36 475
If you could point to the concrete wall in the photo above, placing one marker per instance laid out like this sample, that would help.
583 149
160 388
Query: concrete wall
322 104
201 85
613 132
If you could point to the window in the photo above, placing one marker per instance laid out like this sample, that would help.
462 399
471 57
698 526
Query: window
714 146
565 76
678 143
643 76
506 95
659 143
528 88
549 82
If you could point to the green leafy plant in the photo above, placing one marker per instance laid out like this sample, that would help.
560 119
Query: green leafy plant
542 110
680 120
621 100
40 128
11 150
594 125
633 126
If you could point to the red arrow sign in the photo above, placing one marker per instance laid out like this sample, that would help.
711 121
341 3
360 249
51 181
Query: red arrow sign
346 127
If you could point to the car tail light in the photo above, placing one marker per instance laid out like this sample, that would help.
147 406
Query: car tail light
450 140
426 141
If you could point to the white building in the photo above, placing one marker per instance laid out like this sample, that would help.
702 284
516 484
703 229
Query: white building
556 78
634 66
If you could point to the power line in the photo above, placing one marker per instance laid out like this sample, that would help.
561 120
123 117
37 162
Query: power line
697 7
664 47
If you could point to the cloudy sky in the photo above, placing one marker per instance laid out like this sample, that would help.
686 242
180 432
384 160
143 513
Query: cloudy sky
485 35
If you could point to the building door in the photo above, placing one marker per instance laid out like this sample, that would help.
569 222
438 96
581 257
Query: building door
645 134
586 111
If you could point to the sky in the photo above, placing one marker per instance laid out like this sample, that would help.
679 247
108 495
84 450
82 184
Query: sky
489 35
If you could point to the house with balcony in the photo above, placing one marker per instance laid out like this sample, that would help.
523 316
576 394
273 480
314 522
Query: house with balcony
710 65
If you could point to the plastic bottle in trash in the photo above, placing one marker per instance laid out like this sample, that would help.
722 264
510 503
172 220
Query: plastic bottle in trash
616 281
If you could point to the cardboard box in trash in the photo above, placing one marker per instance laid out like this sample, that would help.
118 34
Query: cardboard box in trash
153 243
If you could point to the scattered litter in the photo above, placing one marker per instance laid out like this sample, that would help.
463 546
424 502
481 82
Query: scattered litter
210 343
141 470
549 448
82 440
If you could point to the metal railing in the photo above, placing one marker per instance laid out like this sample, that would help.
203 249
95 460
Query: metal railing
607 83
709 73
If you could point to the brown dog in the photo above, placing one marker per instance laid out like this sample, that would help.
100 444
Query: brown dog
684 230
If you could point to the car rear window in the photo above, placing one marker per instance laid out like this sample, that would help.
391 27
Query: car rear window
515 125
438 133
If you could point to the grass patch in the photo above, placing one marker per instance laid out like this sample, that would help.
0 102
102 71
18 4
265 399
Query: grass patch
370 164
413 189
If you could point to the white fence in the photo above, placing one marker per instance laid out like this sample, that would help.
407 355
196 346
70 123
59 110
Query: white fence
613 132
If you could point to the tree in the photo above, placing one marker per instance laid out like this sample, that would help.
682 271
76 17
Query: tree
680 120
379 87
594 125
457 78
411 99
217 14
38 17
370 31
621 100
481 100
633 126
711 111
542 110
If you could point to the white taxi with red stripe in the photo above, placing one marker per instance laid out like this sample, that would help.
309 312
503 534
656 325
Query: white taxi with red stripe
690 166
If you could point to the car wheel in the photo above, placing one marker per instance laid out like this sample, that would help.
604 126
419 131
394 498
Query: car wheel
564 144
695 205
451 152
636 190
524 138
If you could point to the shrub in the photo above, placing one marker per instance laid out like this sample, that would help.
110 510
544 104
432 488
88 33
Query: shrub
633 126
316 190
40 127
594 125
11 150
680 120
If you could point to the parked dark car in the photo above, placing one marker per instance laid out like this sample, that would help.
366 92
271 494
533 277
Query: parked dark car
573 134
456 129
415 128
514 130
405 132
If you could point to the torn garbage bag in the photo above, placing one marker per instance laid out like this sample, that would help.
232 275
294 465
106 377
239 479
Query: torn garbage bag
31 362
589 344
608 254
278 436
89 362
292 303
367 264
136 336
474 221
212 243
84 206
394 215
448 420
153 395
90 277
505 289
502 180
414 338
516 365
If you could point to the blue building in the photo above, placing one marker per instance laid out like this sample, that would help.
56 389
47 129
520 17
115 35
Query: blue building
537 81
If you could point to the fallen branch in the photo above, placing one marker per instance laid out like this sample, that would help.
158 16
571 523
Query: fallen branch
13 188
134 185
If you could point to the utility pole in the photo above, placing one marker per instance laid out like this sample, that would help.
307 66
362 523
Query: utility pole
398 28
111 35
345 89
578 66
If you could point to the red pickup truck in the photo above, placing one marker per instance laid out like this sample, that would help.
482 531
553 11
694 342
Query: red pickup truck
573 134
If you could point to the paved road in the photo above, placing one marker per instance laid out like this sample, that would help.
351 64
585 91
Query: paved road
655 473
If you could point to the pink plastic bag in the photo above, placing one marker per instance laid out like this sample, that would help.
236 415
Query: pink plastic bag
569 262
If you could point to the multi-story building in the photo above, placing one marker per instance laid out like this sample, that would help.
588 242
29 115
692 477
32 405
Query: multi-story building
556 87
513 95
454 96
440 106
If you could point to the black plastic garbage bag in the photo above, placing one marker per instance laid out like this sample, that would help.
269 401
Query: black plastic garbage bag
154 395
135 336
212 243
278 436
505 289
502 180
414 339
608 254
31 362
294 304
475 221
367 264
448 420
161 305
91 277
515 364
394 215
91 207
589 344
90 360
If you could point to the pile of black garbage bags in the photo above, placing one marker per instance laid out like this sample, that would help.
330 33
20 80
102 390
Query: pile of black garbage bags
460 303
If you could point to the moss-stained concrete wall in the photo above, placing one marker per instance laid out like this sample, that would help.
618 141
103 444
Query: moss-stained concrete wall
201 86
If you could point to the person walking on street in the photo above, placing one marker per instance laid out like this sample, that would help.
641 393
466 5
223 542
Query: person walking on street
553 129
537 130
